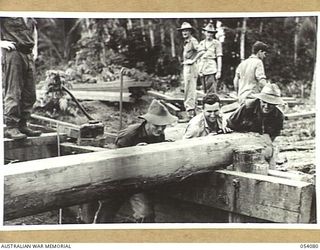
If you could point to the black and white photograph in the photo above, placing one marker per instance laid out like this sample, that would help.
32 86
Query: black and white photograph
155 120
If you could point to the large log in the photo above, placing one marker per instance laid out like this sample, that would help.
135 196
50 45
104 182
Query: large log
42 185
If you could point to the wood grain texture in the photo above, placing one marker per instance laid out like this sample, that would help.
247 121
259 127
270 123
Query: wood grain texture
43 185
260 196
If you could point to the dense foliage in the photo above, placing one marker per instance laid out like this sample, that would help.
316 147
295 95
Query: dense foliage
154 46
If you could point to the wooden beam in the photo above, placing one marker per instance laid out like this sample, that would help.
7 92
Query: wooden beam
68 148
78 131
42 185
43 139
111 86
32 148
295 116
260 196
96 96
180 99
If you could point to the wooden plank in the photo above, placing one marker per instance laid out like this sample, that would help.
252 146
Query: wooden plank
71 130
68 148
111 86
293 175
30 153
260 196
43 185
300 115
43 139
172 108
32 148
177 99
96 96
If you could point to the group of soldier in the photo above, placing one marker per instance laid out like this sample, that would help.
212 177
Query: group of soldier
258 100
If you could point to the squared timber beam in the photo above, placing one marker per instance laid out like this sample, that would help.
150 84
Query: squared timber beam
260 196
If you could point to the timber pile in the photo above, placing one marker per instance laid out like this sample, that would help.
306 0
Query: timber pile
96 96
113 86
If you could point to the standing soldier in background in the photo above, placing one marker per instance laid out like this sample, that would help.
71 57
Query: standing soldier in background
210 60
190 73
19 43
250 76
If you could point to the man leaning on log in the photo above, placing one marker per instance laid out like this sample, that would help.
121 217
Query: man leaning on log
151 130
260 115
210 121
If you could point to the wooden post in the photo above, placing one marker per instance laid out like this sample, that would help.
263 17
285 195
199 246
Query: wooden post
246 159
249 160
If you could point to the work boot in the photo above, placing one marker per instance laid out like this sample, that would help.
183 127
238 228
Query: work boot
14 133
29 132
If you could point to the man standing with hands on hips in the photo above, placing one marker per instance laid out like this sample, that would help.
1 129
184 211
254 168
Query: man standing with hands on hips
19 43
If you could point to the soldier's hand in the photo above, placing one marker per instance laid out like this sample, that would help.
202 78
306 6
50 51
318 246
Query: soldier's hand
170 140
226 130
8 45
218 75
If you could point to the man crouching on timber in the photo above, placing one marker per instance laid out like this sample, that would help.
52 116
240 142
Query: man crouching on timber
151 130
210 121
260 115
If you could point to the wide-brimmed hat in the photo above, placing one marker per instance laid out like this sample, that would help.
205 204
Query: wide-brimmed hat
185 26
209 28
270 93
158 114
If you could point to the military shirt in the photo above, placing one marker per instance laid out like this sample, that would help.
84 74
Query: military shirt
190 47
249 118
135 134
16 30
198 126
250 72
207 63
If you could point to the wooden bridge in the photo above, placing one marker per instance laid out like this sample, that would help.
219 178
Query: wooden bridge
195 180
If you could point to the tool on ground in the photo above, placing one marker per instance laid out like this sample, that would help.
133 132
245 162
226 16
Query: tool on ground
90 133
93 128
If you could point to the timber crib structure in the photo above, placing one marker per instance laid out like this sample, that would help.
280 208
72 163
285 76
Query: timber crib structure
222 178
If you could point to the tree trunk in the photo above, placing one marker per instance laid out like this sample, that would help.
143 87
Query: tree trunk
173 49
162 35
312 99
151 32
296 31
43 185
243 38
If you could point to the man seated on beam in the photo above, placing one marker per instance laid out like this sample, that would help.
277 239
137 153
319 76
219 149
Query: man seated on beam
209 121
151 130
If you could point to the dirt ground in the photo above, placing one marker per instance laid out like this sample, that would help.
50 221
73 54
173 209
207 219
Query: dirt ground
296 144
